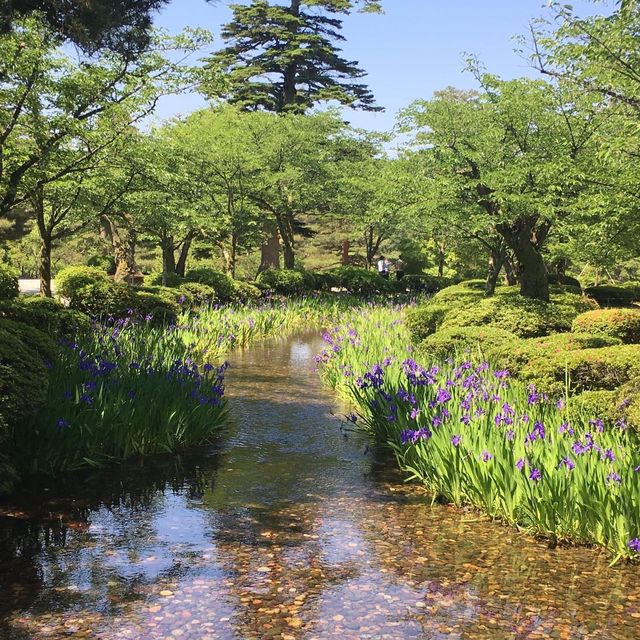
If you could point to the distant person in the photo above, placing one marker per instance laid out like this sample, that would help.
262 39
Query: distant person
383 267
400 267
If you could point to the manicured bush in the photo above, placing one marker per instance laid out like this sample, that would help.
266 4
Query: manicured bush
23 385
155 279
104 263
8 283
156 304
449 342
463 294
287 281
199 293
91 291
514 354
356 280
611 296
424 283
585 369
425 319
524 317
37 340
594 405
245 291
627 403
617 323
221 282
45 314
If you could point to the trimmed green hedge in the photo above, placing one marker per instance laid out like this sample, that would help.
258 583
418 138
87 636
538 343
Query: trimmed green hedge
424 320
155 278
525 317
612 296
515 354
45 314
585 369
617 323
8 283
245 291
220 282
449 342
23 383
287 281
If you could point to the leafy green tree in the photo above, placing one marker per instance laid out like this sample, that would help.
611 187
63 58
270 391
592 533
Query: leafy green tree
515 155
285 58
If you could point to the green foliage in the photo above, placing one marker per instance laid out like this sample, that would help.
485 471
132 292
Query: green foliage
8 283
245 291
426 319
198 292
23 384
522 316
464 305
355 280
565 280
514 354
280 58
611 296
462 431
447 343
584 369
47 315
160 303
220 282
617 323
91 291
287 281
591 405
106 263
627 403
424 283
155 279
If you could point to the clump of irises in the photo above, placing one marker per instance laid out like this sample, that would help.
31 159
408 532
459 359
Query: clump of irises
473 435
129 388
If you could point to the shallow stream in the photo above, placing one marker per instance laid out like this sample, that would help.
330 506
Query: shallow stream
291 529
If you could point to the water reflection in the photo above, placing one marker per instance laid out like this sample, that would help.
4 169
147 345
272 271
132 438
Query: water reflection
288 530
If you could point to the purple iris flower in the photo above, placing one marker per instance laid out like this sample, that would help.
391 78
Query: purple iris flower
455 440
535 475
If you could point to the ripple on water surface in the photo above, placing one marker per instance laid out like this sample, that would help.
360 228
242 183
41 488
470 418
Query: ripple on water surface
288 530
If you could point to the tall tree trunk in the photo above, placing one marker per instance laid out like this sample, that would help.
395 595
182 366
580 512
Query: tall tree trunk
181 265
285 227
441 259
124 249
520 238
44 266
167 245
510 271
345 259
496 260
270 250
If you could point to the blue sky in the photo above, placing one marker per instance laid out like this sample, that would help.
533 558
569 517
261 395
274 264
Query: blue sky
414 49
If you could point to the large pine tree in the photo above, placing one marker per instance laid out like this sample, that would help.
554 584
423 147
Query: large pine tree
285 59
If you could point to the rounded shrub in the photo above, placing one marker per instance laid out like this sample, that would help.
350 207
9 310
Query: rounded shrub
568 281
449 342
524 317
23 375
104 263
627 403
220 282
425 319
8 283
90 290
583 369
616 323
199 293
356 280
593 405
287 281
155 279
516 353
462 294
160 304
245 291
38 340
612 296
45 314
424 283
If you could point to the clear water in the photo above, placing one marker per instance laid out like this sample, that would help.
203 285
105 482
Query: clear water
291 528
